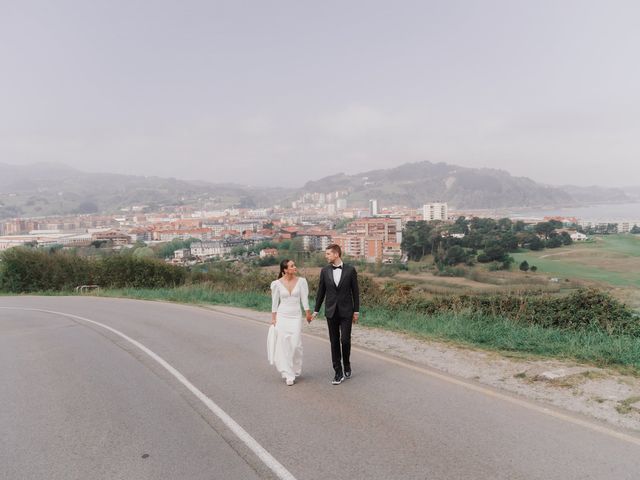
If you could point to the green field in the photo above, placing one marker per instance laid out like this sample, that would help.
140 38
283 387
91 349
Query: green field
612 260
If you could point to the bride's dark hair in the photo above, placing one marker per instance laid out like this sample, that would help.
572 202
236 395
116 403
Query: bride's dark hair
283 266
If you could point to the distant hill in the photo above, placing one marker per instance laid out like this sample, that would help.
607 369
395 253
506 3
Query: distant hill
414 184
52 189
595 194
632 192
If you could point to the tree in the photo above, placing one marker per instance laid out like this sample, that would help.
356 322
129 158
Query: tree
524 266
556 224
166 249
460 226
454 255
495 252
418 239
297 245
566 238
535 243
509 241
482 225
544 228
519 226
554 242
505 225
533 268
635 230
284 245
144 252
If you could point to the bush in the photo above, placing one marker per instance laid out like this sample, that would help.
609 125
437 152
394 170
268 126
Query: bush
586 309
31 270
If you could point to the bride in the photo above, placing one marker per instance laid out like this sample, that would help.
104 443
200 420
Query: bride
285 343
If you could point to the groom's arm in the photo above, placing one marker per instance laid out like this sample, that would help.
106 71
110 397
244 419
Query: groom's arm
322 289
355 292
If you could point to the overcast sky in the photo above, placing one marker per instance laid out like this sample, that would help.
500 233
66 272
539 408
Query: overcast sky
278 92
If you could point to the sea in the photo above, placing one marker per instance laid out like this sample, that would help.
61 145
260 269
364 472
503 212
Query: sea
613 212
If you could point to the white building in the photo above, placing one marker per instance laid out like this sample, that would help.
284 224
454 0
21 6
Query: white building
341 204
209 249
435 211
626 227
373 207
578 237
181 253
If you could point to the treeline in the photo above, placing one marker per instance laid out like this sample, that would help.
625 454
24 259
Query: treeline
482 240
24 270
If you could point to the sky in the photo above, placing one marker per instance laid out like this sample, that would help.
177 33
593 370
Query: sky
279 92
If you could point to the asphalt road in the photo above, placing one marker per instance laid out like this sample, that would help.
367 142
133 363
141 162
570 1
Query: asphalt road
79 401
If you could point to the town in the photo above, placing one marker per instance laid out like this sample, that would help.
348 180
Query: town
315 220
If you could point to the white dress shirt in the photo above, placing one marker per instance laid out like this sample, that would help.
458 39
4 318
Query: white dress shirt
337 274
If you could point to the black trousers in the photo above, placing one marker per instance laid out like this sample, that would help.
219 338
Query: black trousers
340 337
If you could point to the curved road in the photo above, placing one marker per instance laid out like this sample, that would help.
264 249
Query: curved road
78 400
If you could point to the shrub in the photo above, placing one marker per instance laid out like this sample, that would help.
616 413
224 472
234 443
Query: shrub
31 270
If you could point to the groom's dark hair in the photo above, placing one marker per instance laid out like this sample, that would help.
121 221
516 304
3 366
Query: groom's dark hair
335 248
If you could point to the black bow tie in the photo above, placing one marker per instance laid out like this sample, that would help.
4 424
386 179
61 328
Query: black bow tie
334 267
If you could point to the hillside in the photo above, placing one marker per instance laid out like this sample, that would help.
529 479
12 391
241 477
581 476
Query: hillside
53 189
414 184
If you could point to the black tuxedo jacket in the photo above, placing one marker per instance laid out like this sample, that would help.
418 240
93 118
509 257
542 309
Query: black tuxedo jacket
341 300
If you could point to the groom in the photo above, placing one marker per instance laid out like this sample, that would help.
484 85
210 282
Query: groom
339 287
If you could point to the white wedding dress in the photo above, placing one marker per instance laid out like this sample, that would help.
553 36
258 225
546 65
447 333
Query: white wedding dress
286 352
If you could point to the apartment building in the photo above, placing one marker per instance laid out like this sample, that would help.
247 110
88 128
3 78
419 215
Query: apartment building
315 240
210 249
385 228
435 211
369 249
373 208
115 237
182 234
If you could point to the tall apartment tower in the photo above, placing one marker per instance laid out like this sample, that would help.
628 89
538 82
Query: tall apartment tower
434 211
373 208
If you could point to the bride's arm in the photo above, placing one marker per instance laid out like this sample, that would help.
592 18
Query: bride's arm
275 301
304 297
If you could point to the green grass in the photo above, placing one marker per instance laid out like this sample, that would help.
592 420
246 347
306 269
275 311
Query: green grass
627 244
490 333
563 263
195 295
555 265
503 335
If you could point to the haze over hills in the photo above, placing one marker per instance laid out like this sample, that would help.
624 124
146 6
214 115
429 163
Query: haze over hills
417 183
50 189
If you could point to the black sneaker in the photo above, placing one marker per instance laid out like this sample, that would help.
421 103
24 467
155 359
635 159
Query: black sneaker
347 374
338 379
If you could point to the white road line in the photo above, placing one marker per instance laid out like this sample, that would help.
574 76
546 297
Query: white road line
241 433
471 386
